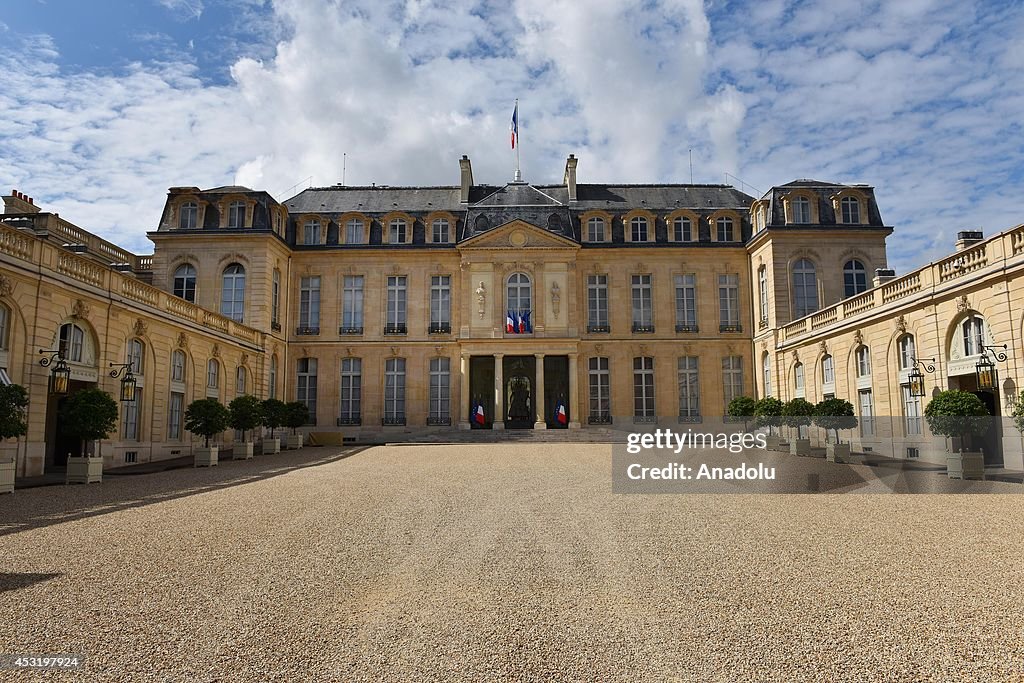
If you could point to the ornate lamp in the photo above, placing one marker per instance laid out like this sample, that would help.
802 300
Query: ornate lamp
127 381
985 369
60 376
916 377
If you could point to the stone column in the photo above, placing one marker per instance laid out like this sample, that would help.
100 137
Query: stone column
464 391
574 400
499 392
538 395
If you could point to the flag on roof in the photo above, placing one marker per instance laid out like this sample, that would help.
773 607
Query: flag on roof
514 126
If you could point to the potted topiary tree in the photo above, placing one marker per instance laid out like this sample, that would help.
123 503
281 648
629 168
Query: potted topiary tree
13 403
959 415
206 417
296 415
273 417
797 413
1018 413
245 414
835 414
768 413
88 415
741 408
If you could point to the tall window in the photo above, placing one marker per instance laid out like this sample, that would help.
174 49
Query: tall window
639 229
643 389
519 298
440 304
911 412
232 302
212 374
689 388
851 210
762 290
311 232
682 229
766 373
724 228
134 356
272 379
185 282
309 305
240 380
394 391
178 366
974 335
275 297
805 288
305 387
440 391
729 302
855 278
600 391
71 341
352 305
595 230
131 418
863 362
686 303
397 229
867 413
440 232
188 216
643 311
5 327
174 413
801 210
354 231
351 391
236 214
396 322
597 303
908 354
798 380
828 370
732 377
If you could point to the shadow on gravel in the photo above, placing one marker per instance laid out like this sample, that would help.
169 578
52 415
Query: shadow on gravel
15 582
44 506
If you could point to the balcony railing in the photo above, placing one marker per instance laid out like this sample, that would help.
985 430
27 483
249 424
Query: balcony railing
687 328
395 329
349 421
440 328
599 420
397 421
690 419
350 330
645 419
730 328
643 329
439 421
599 329
307 331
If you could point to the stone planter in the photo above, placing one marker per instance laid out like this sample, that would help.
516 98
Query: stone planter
242 450
837 452
294 441
773 442
84 471
205 457
270 446
962 465
6 476
800 447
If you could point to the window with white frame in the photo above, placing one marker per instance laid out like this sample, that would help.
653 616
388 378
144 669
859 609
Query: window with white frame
639 229
863 361
828 370
212 374
309 304
272 379
305 386
440 304
974 335
440 231
805 288
682 229
911 412
174 415
5 327
236 214
851 209
595 230
855 278
396 322
686 302
725 230
311 232
801 208
440 391
766 372
350 392
729 302
798 380
188 216
643 389
394 391
689 387
275 297
185 282
867 413
352 305
600 391
178 366
908 354
131 418
397 231
762 290
643 307
597 303
354 231
71 341
134 356
240 380
519 294
232 303
732 378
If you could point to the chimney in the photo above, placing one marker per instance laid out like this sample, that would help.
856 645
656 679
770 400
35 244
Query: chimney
968 238
883 275
570 176
467 178
19 202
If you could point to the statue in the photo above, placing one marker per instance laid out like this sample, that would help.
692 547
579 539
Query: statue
481 297
556 297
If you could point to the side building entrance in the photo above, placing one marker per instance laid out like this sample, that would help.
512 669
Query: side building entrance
518 392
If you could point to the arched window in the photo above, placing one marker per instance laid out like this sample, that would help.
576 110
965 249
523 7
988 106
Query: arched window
554 222
236 214
682 229
801 208
212 373
805 288
354 231
481 223
973 329
851 210
178 366
638 229
828 370
240 380
5 327
908 354
272 391
595 230
855 278
397 231
70 342
311 232
724 230
185 282
798 380
439 231
134 356
766 371
188 216
519 294
762 288
863 362
232 302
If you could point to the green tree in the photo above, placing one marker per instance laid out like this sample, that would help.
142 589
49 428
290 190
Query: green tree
13 404
206 417
797 413
741 408
296 414
246 413
956 414
88 415
1018 412
835 414
273 414
768 413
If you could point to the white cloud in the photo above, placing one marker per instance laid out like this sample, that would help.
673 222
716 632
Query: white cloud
186 9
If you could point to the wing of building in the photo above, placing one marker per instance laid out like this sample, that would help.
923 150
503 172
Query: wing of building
395 312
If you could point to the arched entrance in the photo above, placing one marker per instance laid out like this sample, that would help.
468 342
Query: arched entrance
966 338
77 343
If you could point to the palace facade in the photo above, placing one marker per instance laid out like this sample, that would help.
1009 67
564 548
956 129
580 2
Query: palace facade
393 312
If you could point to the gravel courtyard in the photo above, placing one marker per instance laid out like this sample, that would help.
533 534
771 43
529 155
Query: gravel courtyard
507 563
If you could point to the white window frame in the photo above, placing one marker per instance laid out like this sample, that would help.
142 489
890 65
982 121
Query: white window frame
185 280
599 383
440 391
642 290
597 303
644 406
440 304
309 302
352 302
686 302
306 385
688 379
396 321
394 391
350 391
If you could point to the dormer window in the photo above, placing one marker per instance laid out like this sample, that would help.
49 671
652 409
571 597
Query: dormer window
801 209
311 232
682 229
397 231
440 231
639 230
851 210
236 214
595 229
188 216
724 229
354 231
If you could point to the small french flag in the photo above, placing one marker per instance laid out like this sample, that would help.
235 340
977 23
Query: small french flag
560 415
510 323
514 126
479 417
522 322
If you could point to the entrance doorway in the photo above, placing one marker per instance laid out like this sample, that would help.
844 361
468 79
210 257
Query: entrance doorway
58 444
481 391
556 390
520 391
991 442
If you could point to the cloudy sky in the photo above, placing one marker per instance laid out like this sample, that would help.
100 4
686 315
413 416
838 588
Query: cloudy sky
102 109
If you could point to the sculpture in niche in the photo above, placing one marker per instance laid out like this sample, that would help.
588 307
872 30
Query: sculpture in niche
481 298
141 328
962 305
556 298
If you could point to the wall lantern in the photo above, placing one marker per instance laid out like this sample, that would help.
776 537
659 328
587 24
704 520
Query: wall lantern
127 381
916 377
60 376
985 370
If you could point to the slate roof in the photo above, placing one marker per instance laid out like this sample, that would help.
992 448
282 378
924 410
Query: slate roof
824 192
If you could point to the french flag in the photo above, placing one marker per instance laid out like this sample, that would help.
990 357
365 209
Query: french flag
522 322
514 126
479 416
510 323
560 415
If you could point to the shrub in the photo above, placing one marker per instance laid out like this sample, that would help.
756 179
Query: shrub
273 414
1018 412
835 414
768 413
206 417
246 413
296 414
797 413
13 403
956 414
89 415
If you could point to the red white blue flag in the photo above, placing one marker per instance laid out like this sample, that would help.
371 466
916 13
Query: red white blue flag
510 323
560 415
479 417
514 126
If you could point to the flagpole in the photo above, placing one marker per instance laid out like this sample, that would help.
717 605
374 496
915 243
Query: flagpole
518 176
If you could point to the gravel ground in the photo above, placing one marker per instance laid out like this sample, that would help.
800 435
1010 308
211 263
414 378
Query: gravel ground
450 563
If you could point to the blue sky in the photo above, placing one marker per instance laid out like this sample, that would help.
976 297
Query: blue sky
102 110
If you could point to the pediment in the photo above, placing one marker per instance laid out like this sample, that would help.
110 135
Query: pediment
518 235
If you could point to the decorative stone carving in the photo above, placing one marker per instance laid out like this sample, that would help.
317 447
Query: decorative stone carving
348 351
962 305
901 325
244 360
80 309
823 346
182 340
438 349
216 351
395 351
640 267
796 356
858 338
481 298
556 299
598 348
141 327
643 349
6 286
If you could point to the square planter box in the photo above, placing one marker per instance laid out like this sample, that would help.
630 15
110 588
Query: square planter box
774 442
294 441
242 450
270 446
837 452
205 457
800 447
6 476
84 471
965 465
